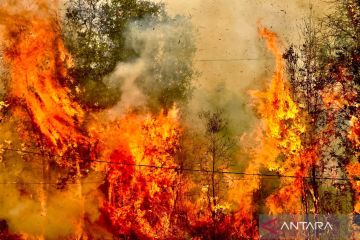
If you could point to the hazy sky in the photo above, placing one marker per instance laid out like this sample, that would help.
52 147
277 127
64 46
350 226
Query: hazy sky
230 56
227 30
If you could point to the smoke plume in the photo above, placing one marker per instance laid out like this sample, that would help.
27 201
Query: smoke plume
161 74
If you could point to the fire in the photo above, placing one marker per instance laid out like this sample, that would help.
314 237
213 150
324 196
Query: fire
354 131
139 198
281 147
38 63
141 179
336 96
285 124
137 153
353 168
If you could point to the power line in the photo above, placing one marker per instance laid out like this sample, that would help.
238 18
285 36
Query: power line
47 183
231 59
189 169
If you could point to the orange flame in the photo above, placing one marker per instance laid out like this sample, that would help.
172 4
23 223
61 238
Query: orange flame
281 148
38 64
285 123
354 132
336 96
141 150
140 198
353 169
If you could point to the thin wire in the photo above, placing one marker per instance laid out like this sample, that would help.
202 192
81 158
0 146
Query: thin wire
49 183
231 59
190 169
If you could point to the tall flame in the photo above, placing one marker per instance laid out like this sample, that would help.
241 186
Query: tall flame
140 180
139 152
285 124
280 137
353 168
38 64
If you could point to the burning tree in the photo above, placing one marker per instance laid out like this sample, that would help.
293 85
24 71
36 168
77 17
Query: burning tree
141 178
53 121
38 63
324 76
214 156
282 149
158 178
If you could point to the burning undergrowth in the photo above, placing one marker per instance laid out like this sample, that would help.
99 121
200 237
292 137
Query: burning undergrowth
130 170
57 145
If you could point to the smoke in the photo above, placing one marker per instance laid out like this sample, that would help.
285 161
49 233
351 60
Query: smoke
123 79
40 209
161 74
29 201
230 58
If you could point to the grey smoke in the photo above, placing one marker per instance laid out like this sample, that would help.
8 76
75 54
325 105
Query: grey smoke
162 73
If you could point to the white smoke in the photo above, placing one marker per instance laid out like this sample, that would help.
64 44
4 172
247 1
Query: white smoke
165 49
123 78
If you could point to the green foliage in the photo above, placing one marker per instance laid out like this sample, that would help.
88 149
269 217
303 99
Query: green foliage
342 34
98 28
167 47
94 34
102 34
